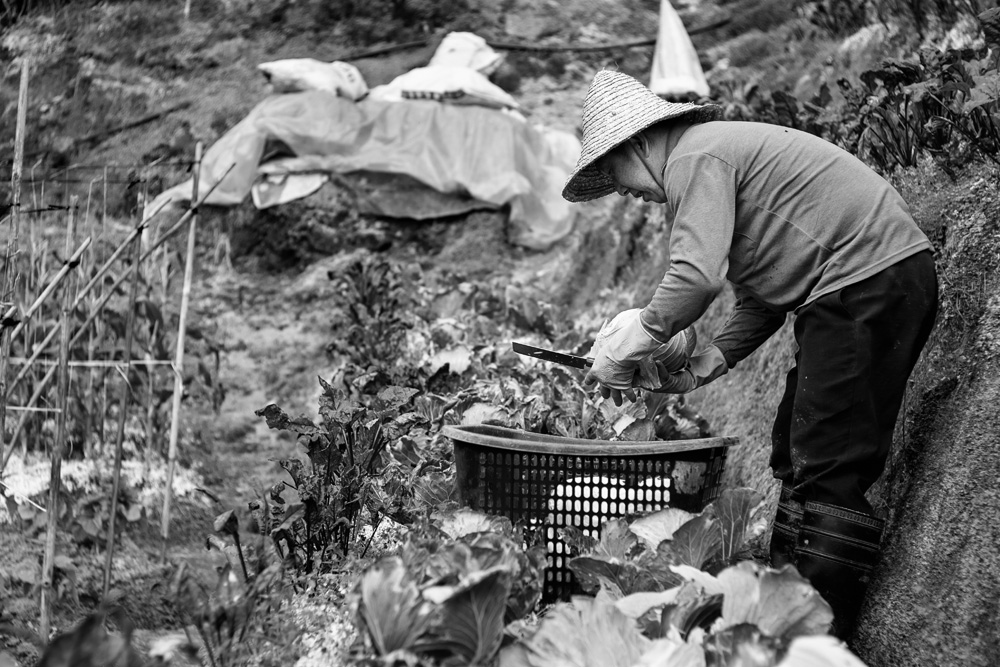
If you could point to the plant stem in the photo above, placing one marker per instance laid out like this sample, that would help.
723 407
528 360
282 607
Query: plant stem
122 416
371 537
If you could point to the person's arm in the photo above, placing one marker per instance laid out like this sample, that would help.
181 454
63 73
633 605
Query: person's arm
702 192
748 326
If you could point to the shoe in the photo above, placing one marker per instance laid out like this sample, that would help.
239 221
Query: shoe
785 534
837 552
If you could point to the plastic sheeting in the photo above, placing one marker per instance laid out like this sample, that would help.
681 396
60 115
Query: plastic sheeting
676 68
473 151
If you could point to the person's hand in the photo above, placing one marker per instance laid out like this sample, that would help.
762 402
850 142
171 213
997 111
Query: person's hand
622 345
614 378
701 369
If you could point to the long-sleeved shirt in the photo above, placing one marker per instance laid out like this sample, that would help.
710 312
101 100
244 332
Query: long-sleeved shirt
784 215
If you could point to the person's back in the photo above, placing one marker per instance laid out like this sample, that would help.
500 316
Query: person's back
809 217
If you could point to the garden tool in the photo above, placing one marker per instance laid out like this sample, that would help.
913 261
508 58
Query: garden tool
549 355
651 369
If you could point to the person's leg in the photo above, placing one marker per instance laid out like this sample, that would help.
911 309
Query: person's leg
858 347
788 516
781 431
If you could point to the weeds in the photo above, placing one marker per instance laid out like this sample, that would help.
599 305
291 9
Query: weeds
375 303
945 104
244 614
346 456
13 10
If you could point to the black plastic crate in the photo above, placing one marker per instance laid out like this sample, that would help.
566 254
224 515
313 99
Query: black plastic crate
546 482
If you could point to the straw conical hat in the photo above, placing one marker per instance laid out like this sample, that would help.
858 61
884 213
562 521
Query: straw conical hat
618 106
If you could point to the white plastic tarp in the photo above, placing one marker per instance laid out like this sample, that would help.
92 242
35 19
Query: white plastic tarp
484 153
676 68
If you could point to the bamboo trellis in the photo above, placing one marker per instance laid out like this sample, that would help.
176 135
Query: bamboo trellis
83 293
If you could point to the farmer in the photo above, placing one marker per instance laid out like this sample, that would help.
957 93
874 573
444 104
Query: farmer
796 225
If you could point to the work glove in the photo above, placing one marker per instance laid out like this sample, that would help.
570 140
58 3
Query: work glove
626 357
701 369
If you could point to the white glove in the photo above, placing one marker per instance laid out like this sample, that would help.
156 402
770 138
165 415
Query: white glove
701 369
625 357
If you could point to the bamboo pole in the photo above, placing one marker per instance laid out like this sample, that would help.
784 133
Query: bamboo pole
122 417
91 396
29 279
48 563
10 270
150 377
179 357
104 200
39 387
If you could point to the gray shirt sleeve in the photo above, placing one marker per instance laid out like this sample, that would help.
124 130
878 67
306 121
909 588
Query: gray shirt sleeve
748 326
701 191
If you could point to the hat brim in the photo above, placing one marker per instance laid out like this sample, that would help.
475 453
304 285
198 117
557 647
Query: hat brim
587 182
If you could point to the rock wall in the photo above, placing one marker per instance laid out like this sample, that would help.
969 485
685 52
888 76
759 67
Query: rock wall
935 598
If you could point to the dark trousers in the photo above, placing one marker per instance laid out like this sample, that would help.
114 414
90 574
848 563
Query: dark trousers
856 349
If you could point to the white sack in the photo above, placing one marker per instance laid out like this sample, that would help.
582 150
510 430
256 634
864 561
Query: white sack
302 74
466 49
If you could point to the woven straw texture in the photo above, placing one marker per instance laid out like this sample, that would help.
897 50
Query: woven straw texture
616 107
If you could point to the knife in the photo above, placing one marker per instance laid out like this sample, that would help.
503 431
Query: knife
549 355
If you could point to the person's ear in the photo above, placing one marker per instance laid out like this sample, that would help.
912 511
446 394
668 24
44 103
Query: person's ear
641 143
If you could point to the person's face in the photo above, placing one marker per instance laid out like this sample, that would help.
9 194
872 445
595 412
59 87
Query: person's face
632 171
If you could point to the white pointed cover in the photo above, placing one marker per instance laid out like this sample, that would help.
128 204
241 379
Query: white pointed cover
676 68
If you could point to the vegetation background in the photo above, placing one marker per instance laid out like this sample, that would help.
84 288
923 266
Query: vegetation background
263 296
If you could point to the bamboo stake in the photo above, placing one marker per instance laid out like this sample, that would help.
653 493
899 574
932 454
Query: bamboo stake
150 377
10 270
179 358
91 396
164 274
30 277
48 563
122 417
104 201
100 295
104 402
39 387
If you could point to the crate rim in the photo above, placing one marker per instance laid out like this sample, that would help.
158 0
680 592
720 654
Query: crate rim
500 437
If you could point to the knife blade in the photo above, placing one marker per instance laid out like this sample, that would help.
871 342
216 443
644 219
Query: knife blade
549 355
